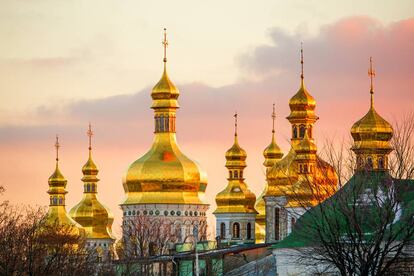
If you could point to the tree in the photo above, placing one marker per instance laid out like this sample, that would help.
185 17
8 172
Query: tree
29 246
144 237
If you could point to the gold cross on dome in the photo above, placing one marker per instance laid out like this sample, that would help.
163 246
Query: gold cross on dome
371 74
165 44
90 134
235 123
273 118
57 146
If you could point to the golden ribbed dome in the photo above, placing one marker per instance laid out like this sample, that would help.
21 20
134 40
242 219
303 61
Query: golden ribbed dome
372 133
94 217
272 153
236 152
372 130
236 197
302 104
57 214
164 174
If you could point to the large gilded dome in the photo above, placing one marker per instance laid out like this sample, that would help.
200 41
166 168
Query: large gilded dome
164 174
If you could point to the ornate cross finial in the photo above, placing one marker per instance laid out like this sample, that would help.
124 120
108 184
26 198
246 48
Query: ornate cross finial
165 44
235 124
371 74
57 146
90 134
273 118
301 60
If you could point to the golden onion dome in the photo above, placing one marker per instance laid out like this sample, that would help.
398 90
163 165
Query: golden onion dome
57 215
236 152
236 197
94 217
272 153
372 132
164 174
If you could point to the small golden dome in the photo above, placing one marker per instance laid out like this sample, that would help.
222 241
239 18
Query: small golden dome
94 217
372 127
236 197
236 152
57 215
165 93
272 153
372 132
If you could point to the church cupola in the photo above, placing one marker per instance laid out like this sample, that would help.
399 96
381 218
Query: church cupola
235 213
272 153
372 135
57 215
94 217
302 111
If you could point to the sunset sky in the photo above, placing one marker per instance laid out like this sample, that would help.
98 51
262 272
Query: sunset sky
64 64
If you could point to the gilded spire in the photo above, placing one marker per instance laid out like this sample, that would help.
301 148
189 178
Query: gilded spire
235 123
273 119
165 45
90 134
57 146
302 76
371 74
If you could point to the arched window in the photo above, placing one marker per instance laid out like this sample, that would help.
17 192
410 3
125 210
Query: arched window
277 216
88 187
236 230
60 200
300 168
222 231
295 132
236 174
360 162
241 174
305 168
292 222
381 163
302 130
249 231
370 163
231 174
55 201
93 187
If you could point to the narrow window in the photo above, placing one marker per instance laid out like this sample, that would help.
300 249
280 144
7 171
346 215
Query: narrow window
277 214
88 187
295 132
381 163
222 231
55 201
249 231
369 163
302 130
305 168
161 123
236 174
292 222
241 174
236 230
231 174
